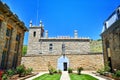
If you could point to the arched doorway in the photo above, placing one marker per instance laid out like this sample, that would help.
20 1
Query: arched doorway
63 63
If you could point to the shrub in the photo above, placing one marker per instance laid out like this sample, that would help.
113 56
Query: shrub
21 70
59 71
55 71
70 70
101 71
79 69
29 71
51 71
4 77
107 67
10 72
117 73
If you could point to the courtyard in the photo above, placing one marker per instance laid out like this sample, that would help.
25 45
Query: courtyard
73 40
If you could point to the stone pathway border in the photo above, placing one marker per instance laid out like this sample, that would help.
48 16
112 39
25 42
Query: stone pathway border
94 75
41 73
65 75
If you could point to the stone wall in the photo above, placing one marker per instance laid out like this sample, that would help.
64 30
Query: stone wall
87 61
10 48
71 46
111 45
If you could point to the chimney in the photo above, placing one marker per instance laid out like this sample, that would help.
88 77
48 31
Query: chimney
46 34
75 34
30 23
40 23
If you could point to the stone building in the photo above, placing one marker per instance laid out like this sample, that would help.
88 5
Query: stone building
111 40
11 38
40 44
61 52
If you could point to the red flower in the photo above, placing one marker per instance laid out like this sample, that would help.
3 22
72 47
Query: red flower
1 72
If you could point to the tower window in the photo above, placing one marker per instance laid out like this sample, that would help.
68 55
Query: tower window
34 34
50 47
51 44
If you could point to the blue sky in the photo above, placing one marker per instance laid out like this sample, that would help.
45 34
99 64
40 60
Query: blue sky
62 17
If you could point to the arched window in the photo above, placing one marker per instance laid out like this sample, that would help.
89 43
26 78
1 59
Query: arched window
34 34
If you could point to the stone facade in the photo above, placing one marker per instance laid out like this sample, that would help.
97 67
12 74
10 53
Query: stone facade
38 43
11 38
87 61
111 40
61 52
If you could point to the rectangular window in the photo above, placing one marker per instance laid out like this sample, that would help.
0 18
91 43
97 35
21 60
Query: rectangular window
18 36
7 43
3 61
34 34
8 32
50 47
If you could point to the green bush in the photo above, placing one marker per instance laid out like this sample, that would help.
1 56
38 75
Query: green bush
117 73
10 72
21 70
70 70
79 69
59 71
29 71
4 77
51 71
55 71
101 71
107 67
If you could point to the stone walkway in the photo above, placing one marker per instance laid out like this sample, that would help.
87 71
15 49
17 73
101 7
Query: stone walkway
65 75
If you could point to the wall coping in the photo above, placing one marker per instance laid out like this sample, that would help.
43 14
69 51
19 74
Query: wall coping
34 55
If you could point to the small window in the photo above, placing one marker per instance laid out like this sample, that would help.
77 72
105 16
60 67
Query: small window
6 43
8 32
17 37
50 47
34 34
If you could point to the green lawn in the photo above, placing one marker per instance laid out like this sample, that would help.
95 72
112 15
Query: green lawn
81 77
48 77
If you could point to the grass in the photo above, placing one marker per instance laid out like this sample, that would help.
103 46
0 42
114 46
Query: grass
24 50
48 77
96 46
74 76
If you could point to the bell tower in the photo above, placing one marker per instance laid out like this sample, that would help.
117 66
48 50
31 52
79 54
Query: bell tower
36 33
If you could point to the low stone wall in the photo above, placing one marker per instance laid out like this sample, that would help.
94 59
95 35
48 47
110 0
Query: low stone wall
87 61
